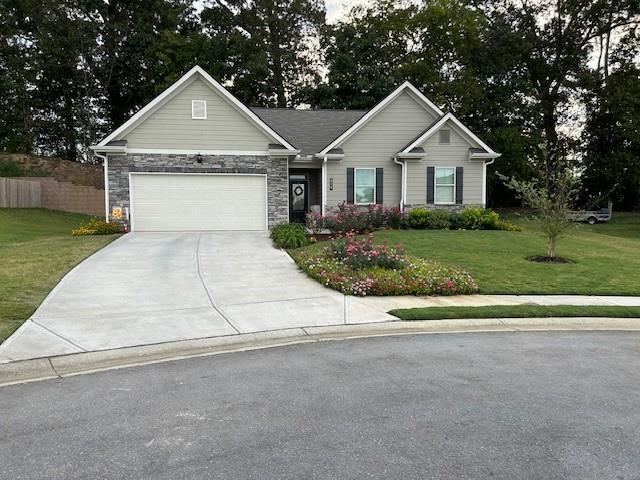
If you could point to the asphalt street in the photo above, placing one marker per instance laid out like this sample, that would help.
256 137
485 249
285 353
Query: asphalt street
537 405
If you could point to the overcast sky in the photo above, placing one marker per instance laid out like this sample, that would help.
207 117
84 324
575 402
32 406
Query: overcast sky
337 9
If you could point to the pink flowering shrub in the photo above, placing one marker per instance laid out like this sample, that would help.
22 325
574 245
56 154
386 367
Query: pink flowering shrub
353 218
315 222
364 253
359 267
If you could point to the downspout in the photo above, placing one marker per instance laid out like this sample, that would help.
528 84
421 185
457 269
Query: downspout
403 181
105 161
484 181
324 186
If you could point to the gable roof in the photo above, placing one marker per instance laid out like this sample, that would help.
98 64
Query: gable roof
426 134
164 96
405 87
308 130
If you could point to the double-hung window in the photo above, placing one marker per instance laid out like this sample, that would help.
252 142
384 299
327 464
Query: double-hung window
365 186
445 185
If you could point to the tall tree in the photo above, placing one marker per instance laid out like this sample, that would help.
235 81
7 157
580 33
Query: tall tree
384 43
17 52
133 65
555 39
612 159
269 43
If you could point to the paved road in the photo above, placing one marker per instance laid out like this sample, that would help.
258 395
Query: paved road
492 405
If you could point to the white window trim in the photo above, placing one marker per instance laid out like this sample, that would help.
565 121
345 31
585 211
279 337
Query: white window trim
355 185
193 116
435 185
440 142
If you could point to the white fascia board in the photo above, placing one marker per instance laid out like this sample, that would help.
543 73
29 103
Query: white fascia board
279 152
182 151
181 81
449 116
375 110
424 99
483 156
329 156
109 148
411 156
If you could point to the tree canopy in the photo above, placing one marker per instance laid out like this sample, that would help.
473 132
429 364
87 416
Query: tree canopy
563 75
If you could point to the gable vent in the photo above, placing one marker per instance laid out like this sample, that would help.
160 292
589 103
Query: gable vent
199 109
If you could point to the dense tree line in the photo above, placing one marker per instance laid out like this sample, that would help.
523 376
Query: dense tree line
558 74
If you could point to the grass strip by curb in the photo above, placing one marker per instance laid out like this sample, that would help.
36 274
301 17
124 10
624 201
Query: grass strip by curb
515 311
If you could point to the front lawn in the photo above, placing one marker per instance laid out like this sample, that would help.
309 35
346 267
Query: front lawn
606 257
37 250
515 311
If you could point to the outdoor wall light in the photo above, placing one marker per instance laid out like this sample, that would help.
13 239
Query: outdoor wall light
331 184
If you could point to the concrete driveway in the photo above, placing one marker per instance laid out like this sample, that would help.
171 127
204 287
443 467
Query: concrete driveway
160 287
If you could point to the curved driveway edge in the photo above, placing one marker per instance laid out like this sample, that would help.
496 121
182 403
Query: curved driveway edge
149 288
87 362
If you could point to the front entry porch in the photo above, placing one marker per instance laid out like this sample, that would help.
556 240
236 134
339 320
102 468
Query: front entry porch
305 192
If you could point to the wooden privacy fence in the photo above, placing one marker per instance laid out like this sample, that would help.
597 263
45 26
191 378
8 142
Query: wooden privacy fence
18 193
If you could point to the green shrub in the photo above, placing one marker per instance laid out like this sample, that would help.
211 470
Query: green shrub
96 226
475 218
421 218
289 235
10 168
508 226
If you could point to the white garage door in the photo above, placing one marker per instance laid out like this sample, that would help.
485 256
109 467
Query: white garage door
185 202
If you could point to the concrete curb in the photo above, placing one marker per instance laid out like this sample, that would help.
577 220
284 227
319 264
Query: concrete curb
88 362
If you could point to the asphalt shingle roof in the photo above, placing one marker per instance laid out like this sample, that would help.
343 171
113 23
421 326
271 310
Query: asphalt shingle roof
309 130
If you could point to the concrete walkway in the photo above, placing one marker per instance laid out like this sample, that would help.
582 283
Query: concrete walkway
147 289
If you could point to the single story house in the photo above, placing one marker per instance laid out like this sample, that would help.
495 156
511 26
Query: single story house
197 158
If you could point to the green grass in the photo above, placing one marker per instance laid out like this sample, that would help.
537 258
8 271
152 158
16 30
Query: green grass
606 257
515 311
37 250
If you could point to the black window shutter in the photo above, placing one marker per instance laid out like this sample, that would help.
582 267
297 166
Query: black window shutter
349 185
459 184
431 175
379 185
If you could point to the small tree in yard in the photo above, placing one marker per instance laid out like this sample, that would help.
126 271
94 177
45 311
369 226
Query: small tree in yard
552 200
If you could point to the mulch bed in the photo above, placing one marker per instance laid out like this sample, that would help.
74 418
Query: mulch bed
545 259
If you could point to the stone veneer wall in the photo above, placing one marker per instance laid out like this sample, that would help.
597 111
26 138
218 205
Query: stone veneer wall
451 208
275 168
407 208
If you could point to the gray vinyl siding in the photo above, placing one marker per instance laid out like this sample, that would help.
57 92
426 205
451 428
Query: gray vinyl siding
172 127
456 154
374 145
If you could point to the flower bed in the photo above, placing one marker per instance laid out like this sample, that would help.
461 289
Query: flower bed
359 267
96 226
351 218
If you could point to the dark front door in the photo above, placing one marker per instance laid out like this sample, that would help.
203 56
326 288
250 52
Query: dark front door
298 198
